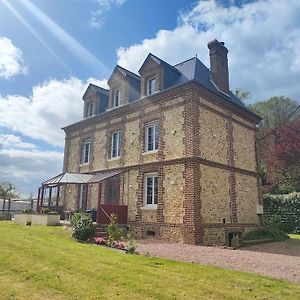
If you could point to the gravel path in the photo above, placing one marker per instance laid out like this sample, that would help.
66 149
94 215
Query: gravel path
279 260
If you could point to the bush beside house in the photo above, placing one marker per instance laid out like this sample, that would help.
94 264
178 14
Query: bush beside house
284 211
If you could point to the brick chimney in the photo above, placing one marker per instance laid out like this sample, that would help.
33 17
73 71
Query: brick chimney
219 65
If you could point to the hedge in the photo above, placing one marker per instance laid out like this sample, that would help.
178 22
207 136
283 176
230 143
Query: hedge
284 211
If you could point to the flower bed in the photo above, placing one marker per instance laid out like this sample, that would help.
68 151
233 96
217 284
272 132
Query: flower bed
128 245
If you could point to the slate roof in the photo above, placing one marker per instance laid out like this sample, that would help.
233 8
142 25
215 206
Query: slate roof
99 89
125 72
129 73
194 69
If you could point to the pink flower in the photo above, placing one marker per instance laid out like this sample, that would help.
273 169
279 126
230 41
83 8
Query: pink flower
120 245
100 241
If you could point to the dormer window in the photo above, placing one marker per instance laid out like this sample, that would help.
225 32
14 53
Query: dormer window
90 109
151 86
117 97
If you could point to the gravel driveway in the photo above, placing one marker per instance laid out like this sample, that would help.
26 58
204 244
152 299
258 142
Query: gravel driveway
279 259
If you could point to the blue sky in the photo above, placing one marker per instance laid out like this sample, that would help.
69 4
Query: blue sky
51 50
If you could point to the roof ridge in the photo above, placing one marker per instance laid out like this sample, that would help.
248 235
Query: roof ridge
184 61
99 87
130 72
161 60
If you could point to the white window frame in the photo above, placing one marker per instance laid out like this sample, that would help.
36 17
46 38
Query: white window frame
117 96
151 89
146 177
118 144
82 195
90 109
84 154
155 143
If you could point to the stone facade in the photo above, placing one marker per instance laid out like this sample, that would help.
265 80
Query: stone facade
206 162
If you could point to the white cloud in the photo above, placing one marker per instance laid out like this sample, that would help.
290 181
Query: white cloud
26 166
263 39
103 7
52 105
11 59
7 141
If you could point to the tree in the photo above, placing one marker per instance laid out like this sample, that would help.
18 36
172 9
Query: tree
276 112
277 142
287 155
242 94
7 191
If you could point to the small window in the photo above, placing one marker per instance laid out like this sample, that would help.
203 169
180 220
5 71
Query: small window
152 136
82 196
150 190
117 97
115 144
86 148
151 86
90 110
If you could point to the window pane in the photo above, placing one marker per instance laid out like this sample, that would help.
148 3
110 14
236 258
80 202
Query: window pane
90 110
85 152
149 189
117 98
151 86
150 145
115 147
155 187
156 136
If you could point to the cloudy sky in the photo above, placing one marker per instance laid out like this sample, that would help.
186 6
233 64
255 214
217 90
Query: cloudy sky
51 50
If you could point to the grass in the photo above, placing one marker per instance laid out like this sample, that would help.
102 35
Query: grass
294 236
45 263
268 233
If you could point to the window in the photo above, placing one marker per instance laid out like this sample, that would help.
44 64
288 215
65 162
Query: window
151 86
150 190
111 190
117 97
82 196
115 144
152 136
86 148
90 110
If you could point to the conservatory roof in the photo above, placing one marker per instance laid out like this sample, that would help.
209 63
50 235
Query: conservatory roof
79 178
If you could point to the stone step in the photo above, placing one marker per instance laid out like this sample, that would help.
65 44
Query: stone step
102 234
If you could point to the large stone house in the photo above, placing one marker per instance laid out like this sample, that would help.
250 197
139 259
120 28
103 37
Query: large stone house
182 148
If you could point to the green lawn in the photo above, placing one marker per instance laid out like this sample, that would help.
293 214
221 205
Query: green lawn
45 263
294 236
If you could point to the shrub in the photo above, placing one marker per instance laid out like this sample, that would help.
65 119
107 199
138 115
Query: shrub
114 232
4 217
28 211
270 232
283 211
48 211
84 228
131 244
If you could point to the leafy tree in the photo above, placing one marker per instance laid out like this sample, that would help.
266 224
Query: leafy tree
7 191
287 155
242 94
277 142
276 112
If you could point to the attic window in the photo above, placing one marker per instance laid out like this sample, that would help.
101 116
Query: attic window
151 86
90 109
117 97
